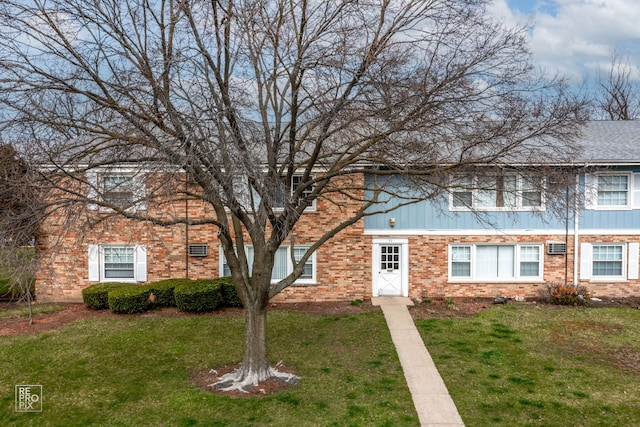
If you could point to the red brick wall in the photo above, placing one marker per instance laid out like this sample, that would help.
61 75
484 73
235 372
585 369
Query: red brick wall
428 268
343 265
63 244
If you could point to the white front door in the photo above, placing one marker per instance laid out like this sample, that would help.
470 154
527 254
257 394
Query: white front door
390 275
390 265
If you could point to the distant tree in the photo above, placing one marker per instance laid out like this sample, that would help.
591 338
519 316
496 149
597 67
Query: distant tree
268 106
20 214
19 205
618 97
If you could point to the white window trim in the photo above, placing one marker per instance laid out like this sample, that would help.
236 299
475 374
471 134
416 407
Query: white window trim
630 262
591 191
517 208
310 208
300 281
517 259
96 263
94 181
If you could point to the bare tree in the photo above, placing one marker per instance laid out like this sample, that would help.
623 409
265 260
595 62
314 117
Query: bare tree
263 107
618 97
20 216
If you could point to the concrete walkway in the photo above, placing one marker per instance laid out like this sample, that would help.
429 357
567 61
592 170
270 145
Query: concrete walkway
430 395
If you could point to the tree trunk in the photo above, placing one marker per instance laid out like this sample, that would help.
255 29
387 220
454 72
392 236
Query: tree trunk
255 365
256 360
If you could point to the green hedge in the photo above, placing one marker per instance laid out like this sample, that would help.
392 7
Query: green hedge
163 291
198 295
230 296
97 296
130 299
192 296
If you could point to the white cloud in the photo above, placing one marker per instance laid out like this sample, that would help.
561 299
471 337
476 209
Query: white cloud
577 37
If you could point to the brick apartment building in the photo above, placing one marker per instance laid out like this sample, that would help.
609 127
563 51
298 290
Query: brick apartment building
498 239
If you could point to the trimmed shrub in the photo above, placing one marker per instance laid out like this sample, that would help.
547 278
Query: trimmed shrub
230 296
198 295
130 299
163 291
97 296
555 293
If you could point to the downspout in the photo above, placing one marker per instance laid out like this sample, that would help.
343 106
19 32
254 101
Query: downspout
186 224
566 234
576 229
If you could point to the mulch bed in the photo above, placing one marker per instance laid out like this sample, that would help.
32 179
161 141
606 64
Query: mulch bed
436 308
74 312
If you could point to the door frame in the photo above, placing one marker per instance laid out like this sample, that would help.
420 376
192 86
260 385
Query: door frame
404 264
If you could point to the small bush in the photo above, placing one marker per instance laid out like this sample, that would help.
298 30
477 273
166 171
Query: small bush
163 291
230 296
555 293
198 295
97 296
130 299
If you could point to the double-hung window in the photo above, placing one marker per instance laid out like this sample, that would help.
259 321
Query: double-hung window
489 262
508 191
117 263
280 196
609 261
283 264
612 190
116 188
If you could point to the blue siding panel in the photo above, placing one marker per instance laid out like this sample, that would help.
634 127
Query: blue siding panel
434 215
609 220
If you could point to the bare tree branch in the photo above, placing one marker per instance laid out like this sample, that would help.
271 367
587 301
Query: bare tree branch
257 110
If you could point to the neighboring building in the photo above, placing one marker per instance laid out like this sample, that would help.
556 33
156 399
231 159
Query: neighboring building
437 248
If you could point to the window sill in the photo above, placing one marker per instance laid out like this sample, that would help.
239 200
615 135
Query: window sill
103 280
611 208
103 210
496 281
303 284
519 209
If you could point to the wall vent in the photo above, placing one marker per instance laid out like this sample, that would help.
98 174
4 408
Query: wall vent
556 248
198 250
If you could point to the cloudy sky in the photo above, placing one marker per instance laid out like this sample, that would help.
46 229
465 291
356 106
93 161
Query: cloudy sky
575 37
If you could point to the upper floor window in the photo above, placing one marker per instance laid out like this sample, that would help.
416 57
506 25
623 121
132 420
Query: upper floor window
117 189
608 191
496 192
613 190
296 181
279 195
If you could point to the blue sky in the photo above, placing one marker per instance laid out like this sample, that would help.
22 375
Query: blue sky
577 37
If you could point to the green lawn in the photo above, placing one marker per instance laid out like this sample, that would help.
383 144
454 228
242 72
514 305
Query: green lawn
519 365
135 372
